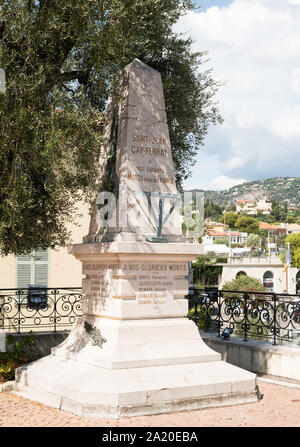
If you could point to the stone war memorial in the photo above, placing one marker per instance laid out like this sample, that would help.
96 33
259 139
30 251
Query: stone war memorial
135 352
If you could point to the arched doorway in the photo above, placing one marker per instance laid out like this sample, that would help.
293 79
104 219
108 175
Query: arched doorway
268 281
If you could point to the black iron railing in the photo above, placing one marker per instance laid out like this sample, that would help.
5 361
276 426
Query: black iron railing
263 316
250 315
40 308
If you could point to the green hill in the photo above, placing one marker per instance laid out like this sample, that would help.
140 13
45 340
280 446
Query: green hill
276 188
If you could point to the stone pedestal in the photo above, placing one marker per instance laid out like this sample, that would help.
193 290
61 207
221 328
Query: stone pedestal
134 352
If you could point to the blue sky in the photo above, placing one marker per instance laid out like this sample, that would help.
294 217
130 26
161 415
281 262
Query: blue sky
254 48
208 3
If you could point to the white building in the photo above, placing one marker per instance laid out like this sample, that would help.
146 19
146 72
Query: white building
264 205
268 270
254 206
210 243
51 268
292 228
233 237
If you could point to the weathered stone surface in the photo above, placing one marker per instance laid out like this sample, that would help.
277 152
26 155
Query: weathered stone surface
125 280
87 390
134 352
145 159
142 159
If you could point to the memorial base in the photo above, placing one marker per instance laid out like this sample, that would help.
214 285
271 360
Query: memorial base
144 367
134 352
90 391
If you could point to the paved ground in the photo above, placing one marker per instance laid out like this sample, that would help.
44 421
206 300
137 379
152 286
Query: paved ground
280 407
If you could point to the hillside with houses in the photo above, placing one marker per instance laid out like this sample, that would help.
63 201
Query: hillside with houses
280 189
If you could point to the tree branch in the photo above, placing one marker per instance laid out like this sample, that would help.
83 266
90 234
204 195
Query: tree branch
80 75
2 28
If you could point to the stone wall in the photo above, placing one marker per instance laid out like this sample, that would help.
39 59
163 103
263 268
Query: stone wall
44 342
258 356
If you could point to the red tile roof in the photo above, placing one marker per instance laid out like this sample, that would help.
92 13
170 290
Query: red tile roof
218 233
266 226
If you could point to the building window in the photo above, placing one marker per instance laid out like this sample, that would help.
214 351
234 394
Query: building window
241 273
268 281
298 283
32 271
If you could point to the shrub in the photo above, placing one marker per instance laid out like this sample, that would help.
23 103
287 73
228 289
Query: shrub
257 330
202 316
243 283
17 356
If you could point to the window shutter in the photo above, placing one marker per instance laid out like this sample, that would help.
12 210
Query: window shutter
41 268
41 274
24 268
41 256
32 269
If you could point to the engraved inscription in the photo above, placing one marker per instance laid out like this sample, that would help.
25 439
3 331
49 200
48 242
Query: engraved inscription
153 146
157 286
149 283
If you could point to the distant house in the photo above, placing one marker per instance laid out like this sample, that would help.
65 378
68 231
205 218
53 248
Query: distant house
246 206
216 226
278 230
292 210
221 242
292 228
254 206
234 237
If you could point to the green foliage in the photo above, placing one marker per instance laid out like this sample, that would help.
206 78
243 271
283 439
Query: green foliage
297 257
240 222
229 218
253 241
16 356
221 240
212 210
202 316
256 330
186 92
276 210
247 224
206 271
243 283
60 57
294 240
291 219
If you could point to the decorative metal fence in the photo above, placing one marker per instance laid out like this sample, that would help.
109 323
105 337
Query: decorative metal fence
249 315
39 309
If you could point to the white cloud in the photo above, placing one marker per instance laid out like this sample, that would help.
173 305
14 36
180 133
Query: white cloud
254 46
223 182
287 126
217 183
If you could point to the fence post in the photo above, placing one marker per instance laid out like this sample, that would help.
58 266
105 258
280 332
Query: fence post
55 309
245 296
20 301
2 340
220 295
2 302
275 317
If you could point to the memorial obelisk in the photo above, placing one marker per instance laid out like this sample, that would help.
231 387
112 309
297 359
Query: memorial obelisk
134 352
